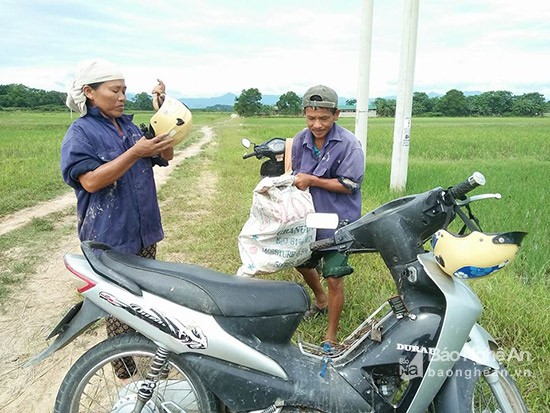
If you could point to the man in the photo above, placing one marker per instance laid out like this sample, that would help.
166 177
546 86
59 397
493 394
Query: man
329 160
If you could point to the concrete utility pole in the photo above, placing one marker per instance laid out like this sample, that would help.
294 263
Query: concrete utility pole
403 110
365 46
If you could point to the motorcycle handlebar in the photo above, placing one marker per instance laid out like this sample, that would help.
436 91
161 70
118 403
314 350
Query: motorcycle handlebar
322 244
450 197
460 190
249 155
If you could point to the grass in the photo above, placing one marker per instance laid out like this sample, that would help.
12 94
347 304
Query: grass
29 158
207 200
23 250
515 300
29 155
29 174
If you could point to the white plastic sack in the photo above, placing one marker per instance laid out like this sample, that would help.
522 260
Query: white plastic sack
275 235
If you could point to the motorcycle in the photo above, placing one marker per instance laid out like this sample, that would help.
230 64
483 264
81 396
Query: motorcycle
272 149
206 341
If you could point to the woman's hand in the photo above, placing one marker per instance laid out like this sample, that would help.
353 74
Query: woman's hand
109 172
159 89
150 147
158 94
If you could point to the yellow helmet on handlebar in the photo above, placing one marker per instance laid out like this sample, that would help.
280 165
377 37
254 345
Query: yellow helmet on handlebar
173 118
475 255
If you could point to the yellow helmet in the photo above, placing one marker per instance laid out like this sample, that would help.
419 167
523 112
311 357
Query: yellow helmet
475 255
173 118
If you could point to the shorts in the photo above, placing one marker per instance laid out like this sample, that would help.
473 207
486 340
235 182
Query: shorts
329 264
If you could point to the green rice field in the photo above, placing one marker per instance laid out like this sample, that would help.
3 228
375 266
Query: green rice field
208 197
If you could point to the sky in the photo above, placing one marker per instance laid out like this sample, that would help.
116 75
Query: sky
206 48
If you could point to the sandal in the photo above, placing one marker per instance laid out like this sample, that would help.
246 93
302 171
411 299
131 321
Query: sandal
314 311
331 348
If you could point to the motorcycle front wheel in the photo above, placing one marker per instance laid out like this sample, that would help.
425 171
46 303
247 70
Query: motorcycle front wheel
497 392
473 389
91 385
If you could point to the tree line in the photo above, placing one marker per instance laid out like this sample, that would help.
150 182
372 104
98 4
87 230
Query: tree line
20 96
453 103
456 103
248 103
23 97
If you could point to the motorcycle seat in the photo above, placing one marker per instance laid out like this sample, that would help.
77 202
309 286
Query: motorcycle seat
203 289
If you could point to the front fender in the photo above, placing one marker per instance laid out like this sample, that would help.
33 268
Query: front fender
478 348
475 357
74 323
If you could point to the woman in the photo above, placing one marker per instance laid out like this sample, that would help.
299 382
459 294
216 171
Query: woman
107 160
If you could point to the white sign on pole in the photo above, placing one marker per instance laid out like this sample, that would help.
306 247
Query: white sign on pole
403 110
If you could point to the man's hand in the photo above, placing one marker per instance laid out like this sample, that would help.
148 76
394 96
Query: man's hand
303 181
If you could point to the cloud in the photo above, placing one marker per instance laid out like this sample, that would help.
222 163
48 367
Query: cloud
212 47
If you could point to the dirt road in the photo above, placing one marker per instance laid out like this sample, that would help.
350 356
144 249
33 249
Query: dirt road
36 307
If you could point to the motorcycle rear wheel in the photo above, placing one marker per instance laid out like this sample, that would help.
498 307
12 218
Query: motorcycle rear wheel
92 386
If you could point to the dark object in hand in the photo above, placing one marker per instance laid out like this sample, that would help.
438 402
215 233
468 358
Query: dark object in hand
149 133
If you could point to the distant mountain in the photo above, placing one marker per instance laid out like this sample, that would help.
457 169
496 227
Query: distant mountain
229 99
438 95
270 99
201 103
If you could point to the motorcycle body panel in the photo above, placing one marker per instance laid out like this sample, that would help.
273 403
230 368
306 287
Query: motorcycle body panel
180 329
403 354
243 389
462 310
75 322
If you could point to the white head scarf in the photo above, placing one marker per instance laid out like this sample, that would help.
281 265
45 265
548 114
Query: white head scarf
88 72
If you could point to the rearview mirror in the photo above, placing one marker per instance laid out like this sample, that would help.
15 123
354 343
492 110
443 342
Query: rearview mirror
245 142
322 220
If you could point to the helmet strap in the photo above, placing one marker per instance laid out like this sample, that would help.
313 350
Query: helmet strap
470 221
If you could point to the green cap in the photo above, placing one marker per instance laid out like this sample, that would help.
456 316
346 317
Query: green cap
320 97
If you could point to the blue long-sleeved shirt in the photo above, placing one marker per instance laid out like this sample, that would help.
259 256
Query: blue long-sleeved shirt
340 157
125 214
